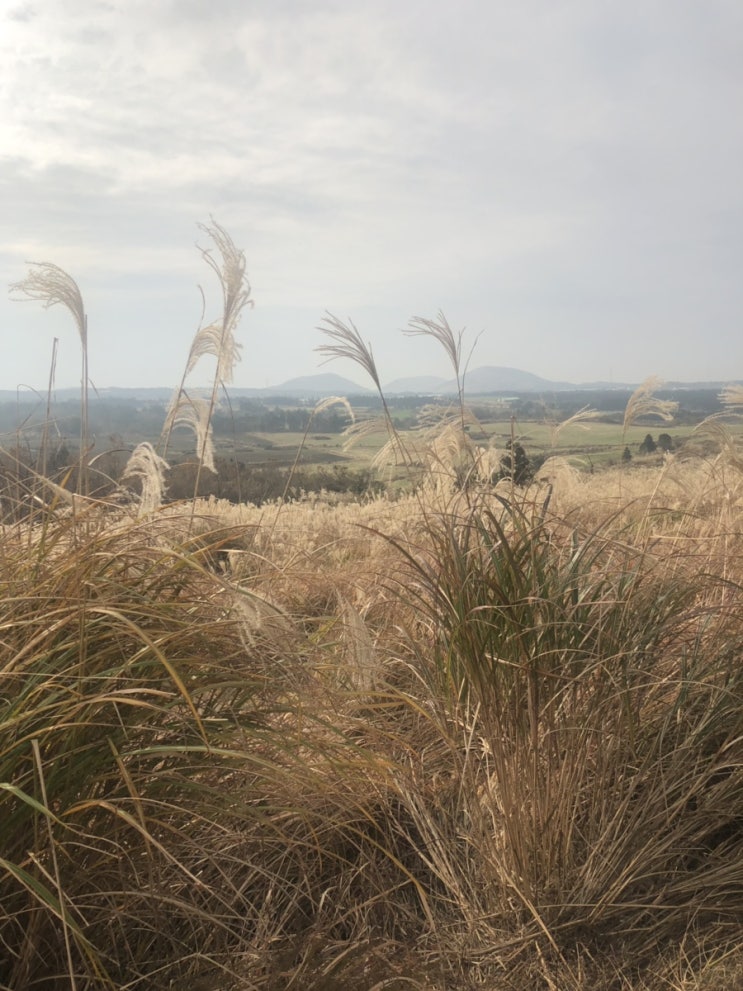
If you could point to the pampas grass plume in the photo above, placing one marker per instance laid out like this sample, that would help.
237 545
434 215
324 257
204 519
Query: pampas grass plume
147 465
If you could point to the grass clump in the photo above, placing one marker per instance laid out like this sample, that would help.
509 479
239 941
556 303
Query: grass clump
118 663
602 697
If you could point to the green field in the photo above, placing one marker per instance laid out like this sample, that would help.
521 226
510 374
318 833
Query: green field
592 445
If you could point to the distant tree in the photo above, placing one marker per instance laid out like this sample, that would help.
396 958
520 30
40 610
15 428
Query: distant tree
665 442
626 455
648 446
515 464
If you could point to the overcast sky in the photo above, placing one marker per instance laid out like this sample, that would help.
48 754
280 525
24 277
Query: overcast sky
563 178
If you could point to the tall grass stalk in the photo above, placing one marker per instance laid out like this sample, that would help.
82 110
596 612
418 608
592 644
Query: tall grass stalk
44 444
52 286
346 342
442 441
216 340
441 332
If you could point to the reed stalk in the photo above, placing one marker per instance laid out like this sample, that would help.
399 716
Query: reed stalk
216 340
51 286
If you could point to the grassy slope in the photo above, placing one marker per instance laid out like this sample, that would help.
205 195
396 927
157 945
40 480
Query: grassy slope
441 740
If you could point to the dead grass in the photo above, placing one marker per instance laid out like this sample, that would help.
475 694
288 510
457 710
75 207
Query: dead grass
459 743
472 737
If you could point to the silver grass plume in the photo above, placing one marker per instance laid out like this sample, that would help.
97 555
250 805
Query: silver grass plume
580 419
721 433
216 339
319 408
347 342
260 621
642 402
212 340
441 332
322 405
146 464
52 286
717 427
231 274
193 412
732 397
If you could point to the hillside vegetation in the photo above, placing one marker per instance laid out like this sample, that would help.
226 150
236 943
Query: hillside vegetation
474 734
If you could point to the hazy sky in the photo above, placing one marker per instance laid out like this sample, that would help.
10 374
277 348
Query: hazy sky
564 176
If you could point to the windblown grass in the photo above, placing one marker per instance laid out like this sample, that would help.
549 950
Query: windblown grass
557 709
442 743
115 700
474 736
52 286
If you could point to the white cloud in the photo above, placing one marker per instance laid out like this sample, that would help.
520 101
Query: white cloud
556 173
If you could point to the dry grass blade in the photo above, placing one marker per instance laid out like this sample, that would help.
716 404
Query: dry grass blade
440 331
61 895
108 635
58 493
348 344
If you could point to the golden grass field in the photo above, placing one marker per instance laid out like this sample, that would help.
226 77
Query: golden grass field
467 736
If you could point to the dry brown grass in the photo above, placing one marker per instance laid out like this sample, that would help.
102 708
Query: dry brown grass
475 736
343 569
397 823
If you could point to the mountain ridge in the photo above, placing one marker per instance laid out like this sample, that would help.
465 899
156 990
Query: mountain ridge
487 379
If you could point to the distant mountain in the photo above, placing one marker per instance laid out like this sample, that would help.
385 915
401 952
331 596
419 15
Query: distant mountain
478 381
311 386
494 378
491 378
416 385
